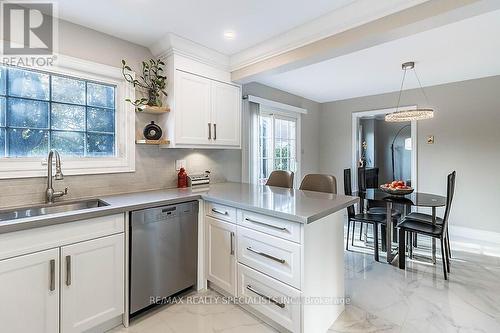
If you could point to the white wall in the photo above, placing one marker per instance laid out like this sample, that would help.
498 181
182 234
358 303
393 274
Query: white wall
155 167
310 122
467 137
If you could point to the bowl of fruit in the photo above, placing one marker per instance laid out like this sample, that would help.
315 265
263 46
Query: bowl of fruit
397 187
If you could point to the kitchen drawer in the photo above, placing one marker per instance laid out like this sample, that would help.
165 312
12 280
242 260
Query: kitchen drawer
271 225
270 255
221 212
273 299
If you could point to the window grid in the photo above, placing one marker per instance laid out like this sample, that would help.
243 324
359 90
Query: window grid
279 145
49 130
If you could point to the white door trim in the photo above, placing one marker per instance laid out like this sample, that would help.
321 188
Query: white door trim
371 113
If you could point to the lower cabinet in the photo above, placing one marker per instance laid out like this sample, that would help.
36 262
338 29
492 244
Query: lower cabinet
221 258
29 293
75 286
92 288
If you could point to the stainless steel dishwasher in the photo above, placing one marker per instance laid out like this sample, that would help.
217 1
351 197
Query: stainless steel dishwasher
163 253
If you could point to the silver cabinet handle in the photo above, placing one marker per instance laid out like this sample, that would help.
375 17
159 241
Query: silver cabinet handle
209 131
232 243
267 298
265 224
215 131
268 256
52 284
68 271
219 212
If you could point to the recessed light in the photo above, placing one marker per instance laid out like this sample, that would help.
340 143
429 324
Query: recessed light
229 34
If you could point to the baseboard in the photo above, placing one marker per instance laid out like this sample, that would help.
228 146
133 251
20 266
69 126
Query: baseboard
475 240
475 234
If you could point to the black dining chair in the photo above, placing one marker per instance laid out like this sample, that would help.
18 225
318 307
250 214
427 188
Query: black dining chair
368 178
374 219
427 218
439 231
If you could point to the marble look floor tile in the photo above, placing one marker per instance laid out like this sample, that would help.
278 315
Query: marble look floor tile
382 298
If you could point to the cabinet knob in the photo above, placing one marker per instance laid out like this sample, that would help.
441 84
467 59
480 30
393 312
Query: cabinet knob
209 131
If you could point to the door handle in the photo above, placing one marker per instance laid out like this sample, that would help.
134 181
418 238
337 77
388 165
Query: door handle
52 284
232 243
215 131
209 131
219 212
266 224
68 271
268 256
267 298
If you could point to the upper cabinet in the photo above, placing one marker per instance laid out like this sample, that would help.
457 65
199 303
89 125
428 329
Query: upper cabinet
205 107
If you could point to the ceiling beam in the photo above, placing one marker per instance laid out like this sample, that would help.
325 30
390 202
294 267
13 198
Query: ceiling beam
422 17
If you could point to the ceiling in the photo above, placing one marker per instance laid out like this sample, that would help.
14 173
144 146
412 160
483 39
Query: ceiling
144 22
467 49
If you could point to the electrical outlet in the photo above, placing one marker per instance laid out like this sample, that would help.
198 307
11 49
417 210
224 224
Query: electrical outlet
180 164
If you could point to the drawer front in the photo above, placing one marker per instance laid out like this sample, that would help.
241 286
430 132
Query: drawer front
221 212
271 225
39 239
270 255
273 299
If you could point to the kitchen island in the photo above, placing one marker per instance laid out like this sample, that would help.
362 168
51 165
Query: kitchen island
278 251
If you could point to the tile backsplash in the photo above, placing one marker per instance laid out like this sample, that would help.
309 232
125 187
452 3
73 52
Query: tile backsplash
155 169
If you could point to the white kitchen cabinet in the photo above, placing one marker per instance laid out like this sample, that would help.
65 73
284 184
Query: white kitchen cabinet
226 104
205 113
221 256
92 288
29 293
192 109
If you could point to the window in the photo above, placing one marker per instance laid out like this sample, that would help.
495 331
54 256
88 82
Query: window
75 106
277 144
40 111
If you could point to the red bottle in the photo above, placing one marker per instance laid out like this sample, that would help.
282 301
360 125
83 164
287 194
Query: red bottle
182 179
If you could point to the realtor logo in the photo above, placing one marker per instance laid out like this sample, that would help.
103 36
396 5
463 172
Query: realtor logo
28 28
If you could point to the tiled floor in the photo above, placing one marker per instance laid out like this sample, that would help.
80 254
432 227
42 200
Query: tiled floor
383 299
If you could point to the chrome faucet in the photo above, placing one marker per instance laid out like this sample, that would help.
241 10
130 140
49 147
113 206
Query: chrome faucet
50 194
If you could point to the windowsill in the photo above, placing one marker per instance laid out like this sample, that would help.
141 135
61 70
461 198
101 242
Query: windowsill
37 167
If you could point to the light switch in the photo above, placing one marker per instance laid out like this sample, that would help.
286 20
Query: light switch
180 164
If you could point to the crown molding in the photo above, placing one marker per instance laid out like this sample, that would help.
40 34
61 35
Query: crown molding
350 16
172 43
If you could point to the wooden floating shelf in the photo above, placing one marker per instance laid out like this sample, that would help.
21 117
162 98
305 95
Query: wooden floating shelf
154 110
152 142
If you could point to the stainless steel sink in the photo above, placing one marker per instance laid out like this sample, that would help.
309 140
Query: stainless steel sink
60 207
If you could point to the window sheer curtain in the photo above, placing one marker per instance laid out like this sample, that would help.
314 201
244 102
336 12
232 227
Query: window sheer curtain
250 142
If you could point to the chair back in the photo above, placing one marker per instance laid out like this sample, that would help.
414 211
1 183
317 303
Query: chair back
280 178
319 183
361 179
348 191
450 192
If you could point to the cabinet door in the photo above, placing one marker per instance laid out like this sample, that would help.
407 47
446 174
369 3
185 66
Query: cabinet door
221 258
29 293
92 285
226 114
192 109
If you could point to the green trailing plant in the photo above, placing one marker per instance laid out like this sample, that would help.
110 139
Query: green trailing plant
152 82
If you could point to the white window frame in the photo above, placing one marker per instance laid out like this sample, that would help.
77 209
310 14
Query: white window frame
285 115
123 161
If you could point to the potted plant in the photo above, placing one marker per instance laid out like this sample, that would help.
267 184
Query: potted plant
152 82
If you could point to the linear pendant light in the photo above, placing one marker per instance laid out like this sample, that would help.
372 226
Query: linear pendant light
410 115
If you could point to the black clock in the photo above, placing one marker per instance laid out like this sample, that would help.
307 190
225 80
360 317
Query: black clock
152 131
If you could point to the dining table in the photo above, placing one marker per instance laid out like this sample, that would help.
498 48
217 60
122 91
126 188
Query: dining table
415 199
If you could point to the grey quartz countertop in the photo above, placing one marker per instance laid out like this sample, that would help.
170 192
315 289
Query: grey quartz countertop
294 205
